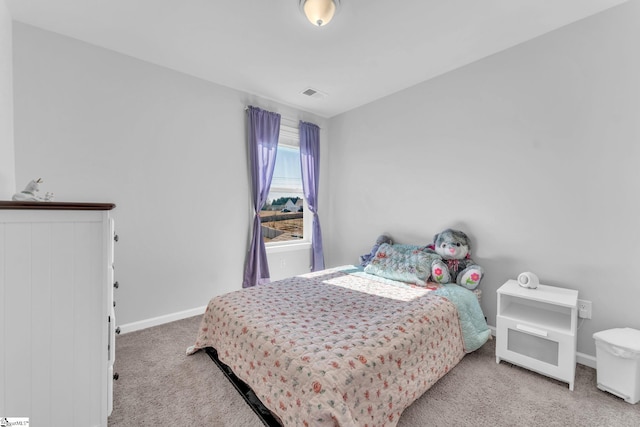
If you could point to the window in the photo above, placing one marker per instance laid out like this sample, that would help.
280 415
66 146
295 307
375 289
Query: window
283 215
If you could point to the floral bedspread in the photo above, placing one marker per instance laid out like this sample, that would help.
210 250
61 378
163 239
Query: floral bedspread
331 348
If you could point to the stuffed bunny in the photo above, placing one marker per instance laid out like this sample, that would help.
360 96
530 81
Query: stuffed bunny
456 264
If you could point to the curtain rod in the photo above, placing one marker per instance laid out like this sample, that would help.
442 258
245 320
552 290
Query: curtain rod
294 121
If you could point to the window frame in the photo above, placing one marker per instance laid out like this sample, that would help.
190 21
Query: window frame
289 136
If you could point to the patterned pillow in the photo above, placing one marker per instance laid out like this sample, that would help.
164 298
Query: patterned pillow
405 263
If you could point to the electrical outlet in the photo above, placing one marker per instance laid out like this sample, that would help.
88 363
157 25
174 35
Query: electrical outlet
584 309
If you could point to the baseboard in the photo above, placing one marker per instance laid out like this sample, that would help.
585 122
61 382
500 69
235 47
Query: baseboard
160 320
586 360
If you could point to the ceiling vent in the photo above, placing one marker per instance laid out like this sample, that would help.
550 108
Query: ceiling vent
314 93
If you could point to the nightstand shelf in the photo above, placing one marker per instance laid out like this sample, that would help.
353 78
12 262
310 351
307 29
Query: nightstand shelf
536 329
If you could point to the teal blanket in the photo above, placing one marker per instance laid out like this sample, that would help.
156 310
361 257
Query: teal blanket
475 331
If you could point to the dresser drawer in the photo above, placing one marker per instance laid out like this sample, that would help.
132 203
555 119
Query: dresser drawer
540 349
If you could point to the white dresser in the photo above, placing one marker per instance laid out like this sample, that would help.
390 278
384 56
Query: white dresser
57 324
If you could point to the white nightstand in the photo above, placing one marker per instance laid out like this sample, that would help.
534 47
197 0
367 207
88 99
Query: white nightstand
536 329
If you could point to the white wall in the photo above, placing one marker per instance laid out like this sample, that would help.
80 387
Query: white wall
168 149
7 165
534 152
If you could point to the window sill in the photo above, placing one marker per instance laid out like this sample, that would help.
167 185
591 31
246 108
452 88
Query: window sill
275 248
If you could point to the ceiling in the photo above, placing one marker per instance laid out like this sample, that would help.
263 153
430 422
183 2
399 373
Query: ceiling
371 49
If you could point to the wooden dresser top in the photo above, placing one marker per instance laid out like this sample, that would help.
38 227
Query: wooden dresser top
67 206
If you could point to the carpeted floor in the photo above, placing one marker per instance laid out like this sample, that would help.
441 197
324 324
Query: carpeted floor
160 385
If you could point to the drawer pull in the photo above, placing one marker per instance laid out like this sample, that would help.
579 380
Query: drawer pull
116 285
531 330
118 330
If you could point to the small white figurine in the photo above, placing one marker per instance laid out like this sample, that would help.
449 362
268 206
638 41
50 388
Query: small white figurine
29 193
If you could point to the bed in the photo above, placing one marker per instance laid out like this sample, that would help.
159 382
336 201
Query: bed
342 346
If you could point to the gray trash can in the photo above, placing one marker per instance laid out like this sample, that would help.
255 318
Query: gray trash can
618 362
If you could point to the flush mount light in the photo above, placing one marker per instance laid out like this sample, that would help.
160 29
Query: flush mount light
319 12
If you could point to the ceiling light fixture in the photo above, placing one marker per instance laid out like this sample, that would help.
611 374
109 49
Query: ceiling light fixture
319 12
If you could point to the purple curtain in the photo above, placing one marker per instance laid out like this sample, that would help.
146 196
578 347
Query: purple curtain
310 162
264 128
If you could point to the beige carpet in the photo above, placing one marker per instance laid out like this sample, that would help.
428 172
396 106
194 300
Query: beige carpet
159 385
